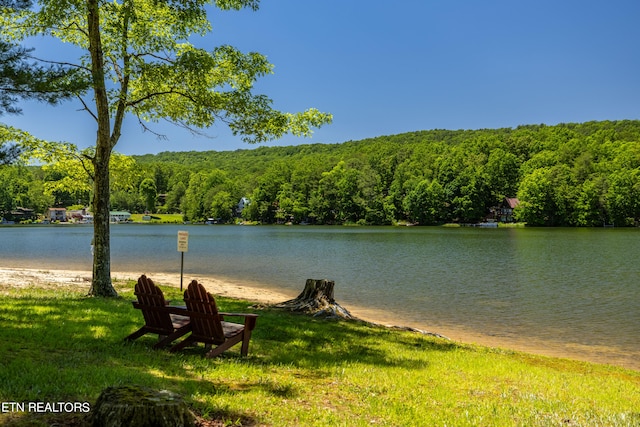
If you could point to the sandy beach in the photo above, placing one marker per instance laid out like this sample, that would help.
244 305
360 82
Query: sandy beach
22 277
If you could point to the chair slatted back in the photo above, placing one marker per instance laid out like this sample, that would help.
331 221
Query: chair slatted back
206 328
149 295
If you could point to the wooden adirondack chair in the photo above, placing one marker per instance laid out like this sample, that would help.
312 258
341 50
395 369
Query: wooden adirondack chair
208 325
159 317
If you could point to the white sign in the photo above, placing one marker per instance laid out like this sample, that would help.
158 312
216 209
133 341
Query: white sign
183 241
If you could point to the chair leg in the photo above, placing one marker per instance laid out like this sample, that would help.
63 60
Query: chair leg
137 334
216 351
182 344
164 341
246 336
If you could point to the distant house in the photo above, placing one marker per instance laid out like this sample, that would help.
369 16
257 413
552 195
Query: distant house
79 215
57 214
20 214
119 216
76 215
243 203
506 209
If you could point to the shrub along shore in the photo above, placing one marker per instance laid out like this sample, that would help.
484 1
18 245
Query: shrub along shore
60 346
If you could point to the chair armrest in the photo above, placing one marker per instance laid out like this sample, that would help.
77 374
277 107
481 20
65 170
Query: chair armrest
249 318
223 313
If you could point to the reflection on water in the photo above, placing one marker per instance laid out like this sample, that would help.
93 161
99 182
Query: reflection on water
571 288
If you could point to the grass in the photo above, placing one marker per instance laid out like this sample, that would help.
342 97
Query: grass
59 346
159 218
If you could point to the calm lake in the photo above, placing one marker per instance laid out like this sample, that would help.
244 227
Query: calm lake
567 292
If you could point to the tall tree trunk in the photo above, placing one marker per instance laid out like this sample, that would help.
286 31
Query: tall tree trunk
101 284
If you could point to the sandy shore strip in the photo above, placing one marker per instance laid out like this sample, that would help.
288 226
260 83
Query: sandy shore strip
25 277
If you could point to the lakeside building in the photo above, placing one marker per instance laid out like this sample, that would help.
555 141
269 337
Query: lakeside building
17 215
119 216
57 214
504 212
507 207
243 203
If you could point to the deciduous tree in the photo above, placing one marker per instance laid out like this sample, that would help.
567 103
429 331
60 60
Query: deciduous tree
137 56
149 192
20 78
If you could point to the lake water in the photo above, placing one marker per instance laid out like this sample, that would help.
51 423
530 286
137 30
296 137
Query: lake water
567 292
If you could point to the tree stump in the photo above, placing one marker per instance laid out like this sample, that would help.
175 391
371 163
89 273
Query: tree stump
140 407
317 299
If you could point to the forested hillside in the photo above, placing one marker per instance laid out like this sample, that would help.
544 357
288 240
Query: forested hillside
570 174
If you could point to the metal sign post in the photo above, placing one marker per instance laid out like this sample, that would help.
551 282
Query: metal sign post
183 246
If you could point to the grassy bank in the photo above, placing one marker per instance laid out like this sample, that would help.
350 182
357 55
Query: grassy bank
58 346
158 218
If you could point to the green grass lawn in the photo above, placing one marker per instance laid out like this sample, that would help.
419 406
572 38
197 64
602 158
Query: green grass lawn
158 218
59 346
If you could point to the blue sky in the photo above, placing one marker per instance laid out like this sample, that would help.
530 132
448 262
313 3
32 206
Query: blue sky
384 67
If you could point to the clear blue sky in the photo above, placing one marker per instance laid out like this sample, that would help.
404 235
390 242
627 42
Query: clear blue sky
384 67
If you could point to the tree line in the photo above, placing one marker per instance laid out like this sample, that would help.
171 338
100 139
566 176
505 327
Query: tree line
576 174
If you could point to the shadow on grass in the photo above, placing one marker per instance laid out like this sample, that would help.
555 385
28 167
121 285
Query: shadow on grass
70 348
304 341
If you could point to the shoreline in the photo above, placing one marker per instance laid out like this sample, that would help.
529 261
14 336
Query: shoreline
24 277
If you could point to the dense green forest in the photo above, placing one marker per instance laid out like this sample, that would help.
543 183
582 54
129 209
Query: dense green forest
585 174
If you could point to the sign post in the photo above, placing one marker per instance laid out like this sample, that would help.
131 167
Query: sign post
183 246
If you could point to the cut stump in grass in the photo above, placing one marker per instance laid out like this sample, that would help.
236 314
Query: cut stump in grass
140 407
317 299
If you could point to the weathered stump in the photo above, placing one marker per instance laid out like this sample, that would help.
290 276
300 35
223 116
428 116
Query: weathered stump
140 407
317 299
